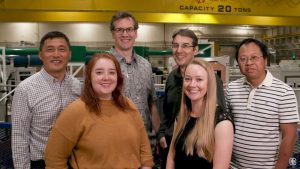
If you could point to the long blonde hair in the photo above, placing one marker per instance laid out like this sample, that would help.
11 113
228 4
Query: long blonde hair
201 138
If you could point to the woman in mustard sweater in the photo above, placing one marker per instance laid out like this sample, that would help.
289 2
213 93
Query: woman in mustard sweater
101 129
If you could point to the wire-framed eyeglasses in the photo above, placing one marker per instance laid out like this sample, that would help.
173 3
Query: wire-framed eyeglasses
122 30
244 59
183 46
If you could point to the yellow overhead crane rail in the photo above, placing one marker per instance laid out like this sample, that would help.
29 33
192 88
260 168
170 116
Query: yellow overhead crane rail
248 12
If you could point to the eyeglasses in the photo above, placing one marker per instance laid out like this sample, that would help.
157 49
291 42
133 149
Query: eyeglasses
183 46
246 59
122 30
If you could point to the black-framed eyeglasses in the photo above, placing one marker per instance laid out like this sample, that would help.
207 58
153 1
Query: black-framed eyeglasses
122 30
183 46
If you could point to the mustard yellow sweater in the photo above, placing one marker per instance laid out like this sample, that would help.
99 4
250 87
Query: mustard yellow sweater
115 139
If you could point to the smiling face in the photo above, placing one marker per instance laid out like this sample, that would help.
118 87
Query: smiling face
104 78
252 63
183 50
55 55
195 82
124 40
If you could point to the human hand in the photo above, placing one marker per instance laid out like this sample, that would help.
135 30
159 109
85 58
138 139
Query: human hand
163 142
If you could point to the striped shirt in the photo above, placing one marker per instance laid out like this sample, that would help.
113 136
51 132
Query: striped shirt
139 84
36 104
258 113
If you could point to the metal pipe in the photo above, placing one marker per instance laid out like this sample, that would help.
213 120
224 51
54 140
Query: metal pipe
9 93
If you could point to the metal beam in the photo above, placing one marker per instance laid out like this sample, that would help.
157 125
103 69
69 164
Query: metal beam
80 16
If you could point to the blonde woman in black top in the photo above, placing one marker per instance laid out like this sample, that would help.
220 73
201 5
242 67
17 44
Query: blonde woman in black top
203 133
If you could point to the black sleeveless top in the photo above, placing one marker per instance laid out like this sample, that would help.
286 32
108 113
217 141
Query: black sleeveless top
183 161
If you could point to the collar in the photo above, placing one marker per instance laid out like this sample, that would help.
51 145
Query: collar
120 58
266 82
178 73
50 78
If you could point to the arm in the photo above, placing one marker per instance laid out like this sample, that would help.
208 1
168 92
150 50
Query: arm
171 154
170 158
289 137
220 92
145 149
164 119
163 142
153 105
21 119
146 167
223 145
58 150
155 117
64 136
163 125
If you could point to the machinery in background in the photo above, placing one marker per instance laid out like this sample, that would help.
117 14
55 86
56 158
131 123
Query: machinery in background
288 71
164 60
221 67
19 63
290 74
16 64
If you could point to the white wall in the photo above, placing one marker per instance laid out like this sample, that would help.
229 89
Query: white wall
16 32
79 32
89 34
98 34
150 32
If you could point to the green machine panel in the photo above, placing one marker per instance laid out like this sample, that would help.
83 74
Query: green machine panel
141 50
205 50
78 53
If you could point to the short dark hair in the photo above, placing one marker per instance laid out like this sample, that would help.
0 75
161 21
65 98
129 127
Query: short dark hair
51 35
187 33
121 15
263 48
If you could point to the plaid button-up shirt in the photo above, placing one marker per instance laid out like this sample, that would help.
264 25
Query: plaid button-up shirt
139 84
36 104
